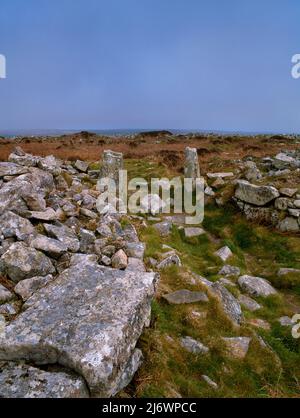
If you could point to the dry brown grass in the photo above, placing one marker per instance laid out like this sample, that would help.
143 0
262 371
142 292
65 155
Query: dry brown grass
214 153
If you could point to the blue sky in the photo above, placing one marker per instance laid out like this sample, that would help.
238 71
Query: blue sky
184 64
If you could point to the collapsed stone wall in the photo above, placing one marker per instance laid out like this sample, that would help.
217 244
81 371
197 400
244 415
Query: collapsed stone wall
257 194
75 295
266 204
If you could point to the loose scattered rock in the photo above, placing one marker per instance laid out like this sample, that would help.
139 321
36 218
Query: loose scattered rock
169 261
135 249
237 347
5 294
164 228
13 225
25 288
249 303
119 260
193 346
231 306
22 262
11 169
288 224
193 232
286 321
185 296
81 166
219 175
288 192
229 271
256 286
51 246
48 215
7 309
224 253
65 235
284 271
259 323
210 382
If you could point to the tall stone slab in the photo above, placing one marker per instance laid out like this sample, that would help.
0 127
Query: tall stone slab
112 162
191 165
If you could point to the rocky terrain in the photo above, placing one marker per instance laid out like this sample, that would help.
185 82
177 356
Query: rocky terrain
75 294
77 286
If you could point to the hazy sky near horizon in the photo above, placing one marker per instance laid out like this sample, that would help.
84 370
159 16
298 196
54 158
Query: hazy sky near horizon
182 64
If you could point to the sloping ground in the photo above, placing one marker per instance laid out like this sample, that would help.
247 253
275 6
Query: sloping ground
269 365
268 358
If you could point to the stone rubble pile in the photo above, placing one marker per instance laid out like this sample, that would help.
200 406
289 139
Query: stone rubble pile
78 295
257 197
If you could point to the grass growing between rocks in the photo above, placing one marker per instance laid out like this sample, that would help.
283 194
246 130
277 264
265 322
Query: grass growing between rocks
145 168
168 369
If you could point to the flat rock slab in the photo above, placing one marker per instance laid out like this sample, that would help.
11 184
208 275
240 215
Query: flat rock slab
284 271
11 169
256 195
193 346
88 320
191 232
219 175
249 303
185 296
23 381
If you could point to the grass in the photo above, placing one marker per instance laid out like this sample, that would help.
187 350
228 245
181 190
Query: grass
168 369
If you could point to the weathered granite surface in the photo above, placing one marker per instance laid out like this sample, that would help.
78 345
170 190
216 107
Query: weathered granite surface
89 320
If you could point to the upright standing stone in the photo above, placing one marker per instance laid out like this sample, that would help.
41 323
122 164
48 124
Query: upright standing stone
112 162
191 166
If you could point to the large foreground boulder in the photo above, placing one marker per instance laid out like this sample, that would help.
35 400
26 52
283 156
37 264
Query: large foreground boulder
255 195
88 320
